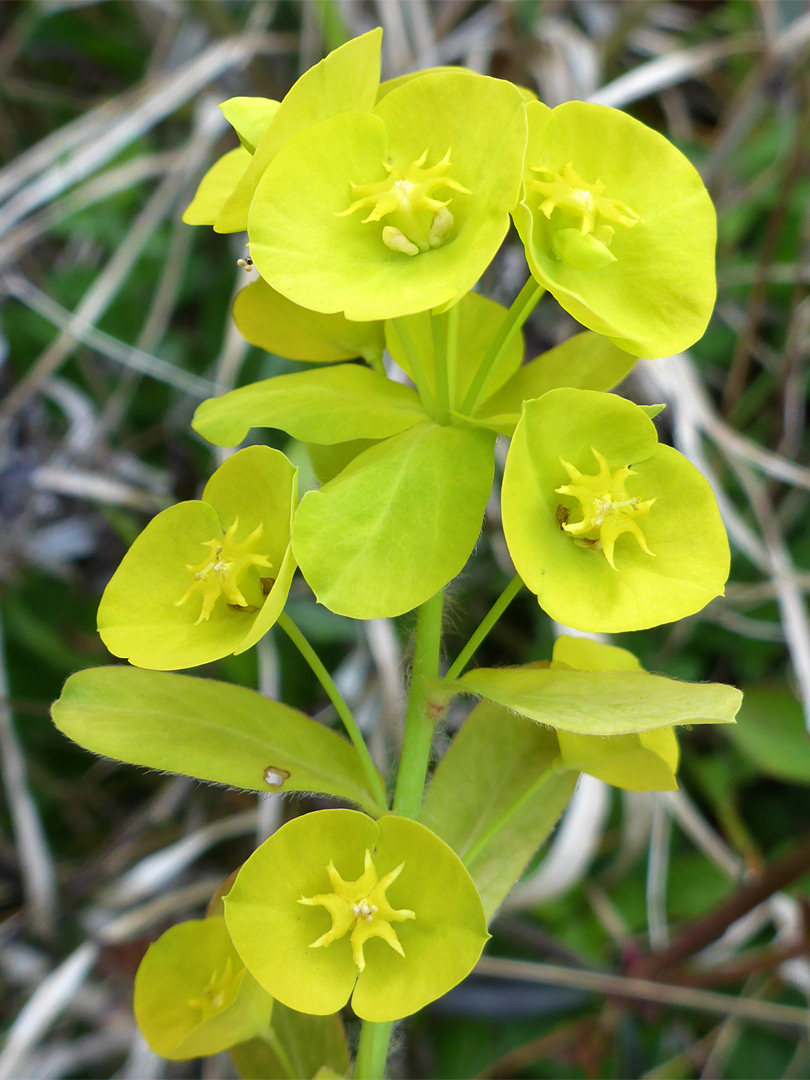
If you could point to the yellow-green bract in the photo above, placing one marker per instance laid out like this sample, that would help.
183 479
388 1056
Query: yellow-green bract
397 210
640 761
269 320
611 530
335 905
207 577
193 996
347 78
607 698
617 224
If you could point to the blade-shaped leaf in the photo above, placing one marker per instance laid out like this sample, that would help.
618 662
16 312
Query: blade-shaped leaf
216 186
325 405
496 795
398 523
210 730
602 702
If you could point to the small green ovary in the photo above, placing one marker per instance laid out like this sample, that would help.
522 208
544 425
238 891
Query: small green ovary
360 907
584 225
608 510
417 220
221 572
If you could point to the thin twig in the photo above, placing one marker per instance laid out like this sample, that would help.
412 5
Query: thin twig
703 931
645 990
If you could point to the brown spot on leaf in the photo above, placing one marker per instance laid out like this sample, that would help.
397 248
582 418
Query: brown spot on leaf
274 776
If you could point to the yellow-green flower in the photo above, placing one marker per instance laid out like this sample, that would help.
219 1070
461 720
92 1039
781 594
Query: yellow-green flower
208 577
611 530
193 995
335 905
618 225
397 210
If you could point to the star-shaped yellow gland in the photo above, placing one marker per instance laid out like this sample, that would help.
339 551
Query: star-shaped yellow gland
582 236
568 191
220 571
360 906
418 220
607 508
220 991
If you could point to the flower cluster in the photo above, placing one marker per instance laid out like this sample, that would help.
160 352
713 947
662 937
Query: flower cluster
372 211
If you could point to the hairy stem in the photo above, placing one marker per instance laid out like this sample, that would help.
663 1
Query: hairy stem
419 723
372 1050
489 620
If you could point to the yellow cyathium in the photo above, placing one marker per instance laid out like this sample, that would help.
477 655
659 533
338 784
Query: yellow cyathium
608 510
418 221
219 572
360 907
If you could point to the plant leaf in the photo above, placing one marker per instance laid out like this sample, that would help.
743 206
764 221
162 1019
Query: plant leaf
216 186
346 79
249 117
325 405
603 702
496 795
209 730
398 523
586 361
270 321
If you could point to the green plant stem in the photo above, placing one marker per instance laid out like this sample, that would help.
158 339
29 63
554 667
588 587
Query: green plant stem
417 739
515 317
341 708
417 372
489 620
419 723
453 316
438 328
372 1050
